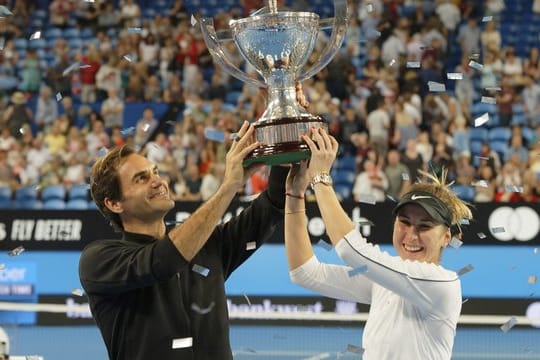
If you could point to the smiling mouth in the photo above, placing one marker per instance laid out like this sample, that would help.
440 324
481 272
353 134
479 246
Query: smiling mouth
412 248
162 194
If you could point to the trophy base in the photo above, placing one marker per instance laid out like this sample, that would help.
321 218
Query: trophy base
285 153
281 140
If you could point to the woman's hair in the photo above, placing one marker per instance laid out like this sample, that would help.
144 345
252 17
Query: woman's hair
105 182
441 189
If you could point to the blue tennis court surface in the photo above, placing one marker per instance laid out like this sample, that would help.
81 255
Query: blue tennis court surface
279 342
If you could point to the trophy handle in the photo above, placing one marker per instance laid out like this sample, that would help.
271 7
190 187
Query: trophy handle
220 57
338 35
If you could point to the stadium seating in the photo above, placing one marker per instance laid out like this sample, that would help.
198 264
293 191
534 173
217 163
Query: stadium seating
79 192
464 192
51 192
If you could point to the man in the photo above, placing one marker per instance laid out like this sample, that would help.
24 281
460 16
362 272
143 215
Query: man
159 293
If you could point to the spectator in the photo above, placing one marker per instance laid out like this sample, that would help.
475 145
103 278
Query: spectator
465 172
59 11
469 37
508 181
130 14
531 64
17 114
412 159
370 183
54 139
92 62
144 129
485 185
491 38
31 72
397 174
47 109
378 124
516 147
530 97
112 110
212 180
193 181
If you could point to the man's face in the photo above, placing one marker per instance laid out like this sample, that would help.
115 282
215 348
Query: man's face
417 236
145 195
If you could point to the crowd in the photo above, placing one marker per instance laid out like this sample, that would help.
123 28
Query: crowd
377 95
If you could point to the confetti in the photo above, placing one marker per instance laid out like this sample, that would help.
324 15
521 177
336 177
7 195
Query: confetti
326 246
487 18
128 131
464 221
509 324
102 152
465 270
532 279
426 47
134 30
413 65
454 76
146 127
214 135
374 33
513 188
494 88
36 35
70 68
464 301
359 270
482 158
251 245
366 222
369 7
498 229
481 235
128 57
172 223
17 251
355 349
201 270
367 199
481 120
391 198
392 62
405 176
247 299
480 183
4 11
436 87
536 250
473 64
474 56
58 96
455 243
488 100
202 311
194 20
77 292
21 131
85 66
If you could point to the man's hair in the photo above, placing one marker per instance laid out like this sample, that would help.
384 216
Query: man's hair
441 189
105 182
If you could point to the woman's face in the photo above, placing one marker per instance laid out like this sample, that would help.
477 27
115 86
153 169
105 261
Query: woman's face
417 236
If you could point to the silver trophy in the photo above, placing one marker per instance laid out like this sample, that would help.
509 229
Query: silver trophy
278 45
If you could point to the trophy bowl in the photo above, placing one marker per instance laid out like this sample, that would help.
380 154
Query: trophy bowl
278 45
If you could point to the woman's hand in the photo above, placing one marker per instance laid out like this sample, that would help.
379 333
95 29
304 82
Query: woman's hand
324 148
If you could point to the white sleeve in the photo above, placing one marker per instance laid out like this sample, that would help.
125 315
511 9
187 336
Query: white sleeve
429 286
332 281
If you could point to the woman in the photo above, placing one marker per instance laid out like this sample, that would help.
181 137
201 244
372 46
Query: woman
415 302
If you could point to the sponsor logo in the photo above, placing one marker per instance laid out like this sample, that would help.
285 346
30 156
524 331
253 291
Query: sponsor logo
418 197
521 223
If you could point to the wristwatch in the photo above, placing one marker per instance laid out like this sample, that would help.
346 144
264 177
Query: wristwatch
323 178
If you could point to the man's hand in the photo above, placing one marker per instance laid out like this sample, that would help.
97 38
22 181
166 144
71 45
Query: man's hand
243 144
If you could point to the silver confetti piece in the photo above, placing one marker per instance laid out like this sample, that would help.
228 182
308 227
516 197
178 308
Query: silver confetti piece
488 100
359 270
58 96
482 158
193 20
413 65
481 183
497 229
369 7
134 30
77 292
367 199
405 176
465 270
389 197
481 235
247 299
146 127
326 246
103 151
251 245
473 64
464 221
436 87
128 57
536 250
128 131
5 11
493 88
201 270
392 62
455 243
513 188
454 76
17 251
36 35
464 301
481 120
202 311
355 349
487 18
509 324
70 68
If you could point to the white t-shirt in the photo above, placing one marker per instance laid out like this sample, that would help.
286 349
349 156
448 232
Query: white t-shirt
415 305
